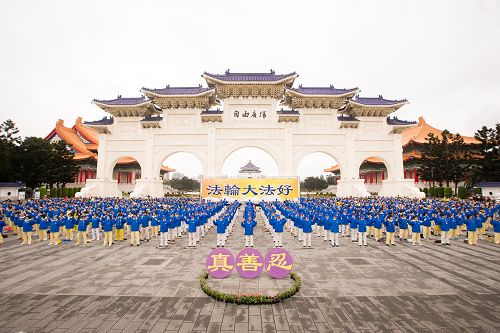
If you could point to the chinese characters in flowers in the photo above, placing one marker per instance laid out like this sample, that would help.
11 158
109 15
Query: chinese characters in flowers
249 263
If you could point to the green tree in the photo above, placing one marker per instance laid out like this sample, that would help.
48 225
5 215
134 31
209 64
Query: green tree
331 180
460 161
445 159
314 184
487 162
184 184
9 142
32 160
63 167
430 168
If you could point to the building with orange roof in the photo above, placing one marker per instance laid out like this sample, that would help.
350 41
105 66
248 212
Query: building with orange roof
373 170
83 139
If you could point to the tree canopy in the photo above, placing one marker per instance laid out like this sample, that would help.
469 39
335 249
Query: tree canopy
487 160
33 160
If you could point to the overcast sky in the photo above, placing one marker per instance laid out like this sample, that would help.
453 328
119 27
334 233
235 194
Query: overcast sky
442 55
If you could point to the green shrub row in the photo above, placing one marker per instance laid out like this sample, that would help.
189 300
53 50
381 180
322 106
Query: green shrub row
445 192
250 299
61 192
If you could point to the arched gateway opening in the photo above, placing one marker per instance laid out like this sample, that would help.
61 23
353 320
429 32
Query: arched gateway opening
312 170
373 170
234 163
181 172
126 171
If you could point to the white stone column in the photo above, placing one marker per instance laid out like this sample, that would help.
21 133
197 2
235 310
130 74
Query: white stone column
290 171
349 183
212 154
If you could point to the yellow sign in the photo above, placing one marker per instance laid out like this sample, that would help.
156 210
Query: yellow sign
250 189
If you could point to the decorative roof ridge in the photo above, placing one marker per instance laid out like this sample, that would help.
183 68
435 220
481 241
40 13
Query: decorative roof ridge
347 118
249 167
71 138
107 121
396 121
363 100
123 101
152 118
331 86
270 73
87 132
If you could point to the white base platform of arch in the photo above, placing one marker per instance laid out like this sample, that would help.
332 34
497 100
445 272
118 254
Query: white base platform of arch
400 187
352 188
148 188
100 188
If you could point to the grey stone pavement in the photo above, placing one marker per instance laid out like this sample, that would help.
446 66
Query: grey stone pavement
348 289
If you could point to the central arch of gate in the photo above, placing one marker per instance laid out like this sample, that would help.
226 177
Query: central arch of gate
261 110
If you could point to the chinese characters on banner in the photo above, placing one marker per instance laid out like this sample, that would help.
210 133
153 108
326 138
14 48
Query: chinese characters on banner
254 189
249 263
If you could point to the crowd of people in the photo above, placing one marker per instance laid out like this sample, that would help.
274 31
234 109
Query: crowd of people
360 218
87 220
112 220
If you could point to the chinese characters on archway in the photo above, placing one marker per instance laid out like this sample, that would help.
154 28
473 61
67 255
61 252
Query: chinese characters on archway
249 263
249 114
275 188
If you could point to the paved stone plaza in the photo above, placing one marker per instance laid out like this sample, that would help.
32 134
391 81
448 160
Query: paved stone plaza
348 289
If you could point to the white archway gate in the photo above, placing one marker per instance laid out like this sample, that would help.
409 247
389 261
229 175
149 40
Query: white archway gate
179 119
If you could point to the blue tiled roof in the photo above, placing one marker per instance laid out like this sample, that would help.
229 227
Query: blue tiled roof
168 90
103 121
288 112
250 77
347 118
488 184
331 90
123 100
151 118
396 121
249 167
212 112
377 101
14 184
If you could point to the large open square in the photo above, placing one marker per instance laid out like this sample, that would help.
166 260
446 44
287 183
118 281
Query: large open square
249 166
428 288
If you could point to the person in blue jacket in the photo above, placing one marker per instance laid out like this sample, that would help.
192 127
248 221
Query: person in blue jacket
444 225
248 226
221 231
403 228
306 230
135 226
390 229
415 230
44 227
2 225
471 230
119 228
361 227
27 230
69 224
377 225
496 229
83 223
278 225
54 231
192 227
353 225
163 232
334 230
107 227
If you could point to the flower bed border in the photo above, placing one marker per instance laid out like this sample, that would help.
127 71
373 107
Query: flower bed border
250 299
